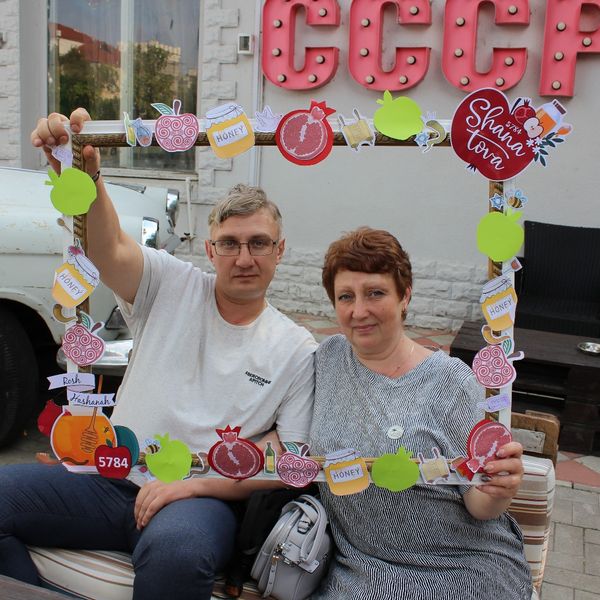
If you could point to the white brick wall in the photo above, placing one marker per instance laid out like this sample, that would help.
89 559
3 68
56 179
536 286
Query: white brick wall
214 90
10 150
442 296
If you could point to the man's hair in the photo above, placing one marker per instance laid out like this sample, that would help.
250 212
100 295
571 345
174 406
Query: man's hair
367 250
243 200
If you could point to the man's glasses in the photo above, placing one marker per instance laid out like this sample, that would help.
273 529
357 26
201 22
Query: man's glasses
256 247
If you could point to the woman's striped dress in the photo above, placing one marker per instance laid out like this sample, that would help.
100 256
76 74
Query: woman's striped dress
420 544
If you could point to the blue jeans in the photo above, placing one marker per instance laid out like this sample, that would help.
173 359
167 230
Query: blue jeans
176 555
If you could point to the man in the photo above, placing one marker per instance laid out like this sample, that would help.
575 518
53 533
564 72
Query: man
208 351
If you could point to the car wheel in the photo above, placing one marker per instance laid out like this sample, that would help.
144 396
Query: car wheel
18 377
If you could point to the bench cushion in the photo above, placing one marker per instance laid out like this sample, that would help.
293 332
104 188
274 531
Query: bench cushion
100 575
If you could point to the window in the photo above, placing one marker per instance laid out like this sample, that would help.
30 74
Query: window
111 56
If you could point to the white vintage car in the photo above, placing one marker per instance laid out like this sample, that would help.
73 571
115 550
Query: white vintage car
31 247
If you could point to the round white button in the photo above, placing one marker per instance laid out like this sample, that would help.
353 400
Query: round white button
395 432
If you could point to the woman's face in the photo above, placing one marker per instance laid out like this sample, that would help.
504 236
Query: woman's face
369 311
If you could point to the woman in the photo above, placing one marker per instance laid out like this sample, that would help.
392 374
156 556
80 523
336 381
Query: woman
377 390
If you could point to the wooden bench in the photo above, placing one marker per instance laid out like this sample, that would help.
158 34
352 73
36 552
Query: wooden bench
554 377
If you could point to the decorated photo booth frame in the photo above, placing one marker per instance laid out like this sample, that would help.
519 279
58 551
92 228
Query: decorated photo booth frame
345 471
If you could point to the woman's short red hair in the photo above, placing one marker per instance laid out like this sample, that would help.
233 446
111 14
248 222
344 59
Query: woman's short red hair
367 250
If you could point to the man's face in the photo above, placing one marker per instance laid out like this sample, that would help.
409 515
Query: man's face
245 277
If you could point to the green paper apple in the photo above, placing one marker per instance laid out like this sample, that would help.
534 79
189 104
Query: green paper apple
172 462
395 472
73 191
398 118
499 236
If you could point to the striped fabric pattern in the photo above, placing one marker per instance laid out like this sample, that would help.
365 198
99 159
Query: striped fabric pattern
532 509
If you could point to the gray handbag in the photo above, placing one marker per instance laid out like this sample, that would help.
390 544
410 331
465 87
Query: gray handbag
295 555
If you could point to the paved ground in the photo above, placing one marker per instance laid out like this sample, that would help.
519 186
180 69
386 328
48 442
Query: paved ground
573 564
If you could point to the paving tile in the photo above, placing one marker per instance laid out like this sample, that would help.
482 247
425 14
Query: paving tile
442 339
556 592
327 330
592 559
591 462
568 539
563 455
587 488
587 515
569 562
570 493
578 581
579 595
571 470
562 511
591 536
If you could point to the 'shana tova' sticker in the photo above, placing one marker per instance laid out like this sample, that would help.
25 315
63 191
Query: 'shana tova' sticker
489 138
235 457
305 137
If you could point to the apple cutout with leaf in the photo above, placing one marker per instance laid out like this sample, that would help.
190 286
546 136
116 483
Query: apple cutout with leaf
80 344
111 461
297 471
175 132
73 191
499 236
171 462
398 118
395 472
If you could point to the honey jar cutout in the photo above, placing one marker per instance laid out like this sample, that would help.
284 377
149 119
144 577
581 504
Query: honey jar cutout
75 279
228 130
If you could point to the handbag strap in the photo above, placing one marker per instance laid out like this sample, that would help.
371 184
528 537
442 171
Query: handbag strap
314 519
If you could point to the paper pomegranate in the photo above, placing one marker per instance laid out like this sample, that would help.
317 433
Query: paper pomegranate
523 112
489 138
305 137
493 368
485 439
235 457
296 471
48 416
80 344
175 132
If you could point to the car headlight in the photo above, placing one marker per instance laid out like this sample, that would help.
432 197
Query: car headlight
150 232
172 208
115 321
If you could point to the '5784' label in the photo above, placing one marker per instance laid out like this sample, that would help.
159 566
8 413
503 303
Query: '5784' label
111 462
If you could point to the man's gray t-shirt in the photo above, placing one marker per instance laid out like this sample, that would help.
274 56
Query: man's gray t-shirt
192 372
